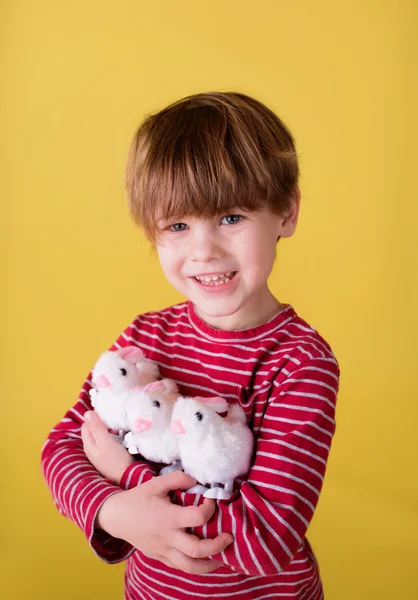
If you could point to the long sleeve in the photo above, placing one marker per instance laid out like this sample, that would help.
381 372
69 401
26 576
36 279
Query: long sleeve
78 490
272 512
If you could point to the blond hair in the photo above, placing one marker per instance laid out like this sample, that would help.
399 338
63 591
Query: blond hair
207 154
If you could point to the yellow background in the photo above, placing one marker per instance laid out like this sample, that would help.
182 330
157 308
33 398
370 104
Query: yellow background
76 80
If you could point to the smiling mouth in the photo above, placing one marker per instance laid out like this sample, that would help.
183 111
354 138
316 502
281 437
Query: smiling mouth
213 280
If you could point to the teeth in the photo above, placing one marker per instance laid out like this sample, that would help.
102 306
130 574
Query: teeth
215 279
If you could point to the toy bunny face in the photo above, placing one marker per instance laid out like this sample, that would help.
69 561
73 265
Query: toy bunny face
122 369
197 418
152 408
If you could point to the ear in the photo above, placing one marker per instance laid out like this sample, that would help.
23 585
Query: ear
131 353
151 387
289 220
216 403
170 386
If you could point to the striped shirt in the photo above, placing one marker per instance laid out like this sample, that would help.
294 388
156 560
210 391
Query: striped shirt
286 378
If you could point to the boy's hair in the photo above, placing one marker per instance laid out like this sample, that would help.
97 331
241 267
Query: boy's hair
207 154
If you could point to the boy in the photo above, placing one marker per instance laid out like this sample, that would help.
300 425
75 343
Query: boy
212 180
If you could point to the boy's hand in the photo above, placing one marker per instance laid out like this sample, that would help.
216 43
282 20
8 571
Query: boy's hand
107 455
145 517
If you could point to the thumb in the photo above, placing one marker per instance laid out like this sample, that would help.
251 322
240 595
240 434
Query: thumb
87 438
95 426
163 484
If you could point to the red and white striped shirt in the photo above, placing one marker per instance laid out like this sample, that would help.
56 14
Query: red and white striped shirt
286 378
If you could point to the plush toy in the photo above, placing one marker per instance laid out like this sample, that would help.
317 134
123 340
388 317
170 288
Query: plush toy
213 449
149 420
115 377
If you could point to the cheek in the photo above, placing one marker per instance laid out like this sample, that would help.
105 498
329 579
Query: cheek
168 261
189 423
258 255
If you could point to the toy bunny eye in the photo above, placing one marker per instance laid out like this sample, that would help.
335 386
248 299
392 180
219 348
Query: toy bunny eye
123 371
156 403
198 415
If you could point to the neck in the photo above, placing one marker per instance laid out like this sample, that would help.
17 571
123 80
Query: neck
254 313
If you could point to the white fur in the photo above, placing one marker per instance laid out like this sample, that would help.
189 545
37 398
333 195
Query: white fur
213 449
157 443
110 403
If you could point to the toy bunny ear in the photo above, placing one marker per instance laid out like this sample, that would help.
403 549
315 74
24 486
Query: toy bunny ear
217 403
151 387
131 353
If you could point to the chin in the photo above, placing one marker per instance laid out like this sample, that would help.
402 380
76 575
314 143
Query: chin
217 309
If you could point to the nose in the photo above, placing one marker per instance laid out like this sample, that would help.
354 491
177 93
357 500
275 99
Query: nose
101 380
177 426
203 244
142 424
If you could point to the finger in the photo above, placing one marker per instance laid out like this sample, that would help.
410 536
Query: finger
207 508
89 415
196 566
193 516
97 428
165 561
86 437
192 546
162 485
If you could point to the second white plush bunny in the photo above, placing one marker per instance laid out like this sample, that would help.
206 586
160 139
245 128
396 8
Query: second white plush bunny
149 417
213 449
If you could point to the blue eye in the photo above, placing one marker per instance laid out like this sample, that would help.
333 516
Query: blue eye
231 219
178 227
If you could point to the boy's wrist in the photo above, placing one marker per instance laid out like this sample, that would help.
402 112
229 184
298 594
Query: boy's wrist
107 515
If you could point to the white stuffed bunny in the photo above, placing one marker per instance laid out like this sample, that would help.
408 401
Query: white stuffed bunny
149 419
115 377
213 449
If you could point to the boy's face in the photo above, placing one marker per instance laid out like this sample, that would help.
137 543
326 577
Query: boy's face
222 264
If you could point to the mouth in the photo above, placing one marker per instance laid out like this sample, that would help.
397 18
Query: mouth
217 279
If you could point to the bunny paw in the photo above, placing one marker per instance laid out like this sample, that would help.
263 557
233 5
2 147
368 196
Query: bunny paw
93 394
128 439
198 489
129 443
217 493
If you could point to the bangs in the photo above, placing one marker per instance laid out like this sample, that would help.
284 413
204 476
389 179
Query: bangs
206 156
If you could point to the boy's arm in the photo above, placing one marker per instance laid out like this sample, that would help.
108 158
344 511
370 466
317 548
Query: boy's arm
270 517
143 514
77 488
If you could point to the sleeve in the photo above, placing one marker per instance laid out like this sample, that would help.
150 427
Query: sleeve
137 473
271 514
78 490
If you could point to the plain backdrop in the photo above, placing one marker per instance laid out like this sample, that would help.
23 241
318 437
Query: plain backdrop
77 78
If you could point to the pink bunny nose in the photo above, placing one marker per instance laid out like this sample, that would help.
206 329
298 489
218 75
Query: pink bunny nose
142 424
177 426
102 381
